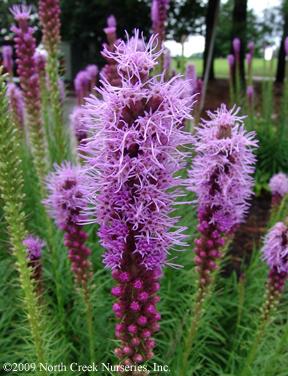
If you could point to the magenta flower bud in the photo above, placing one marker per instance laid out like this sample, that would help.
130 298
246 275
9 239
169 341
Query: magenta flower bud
116 291
142 320
138 284
236 46
127 350
143 296
135 306
279 187
135 341
286 46
132 329
7 53
146 333
118 352
231 60
138 358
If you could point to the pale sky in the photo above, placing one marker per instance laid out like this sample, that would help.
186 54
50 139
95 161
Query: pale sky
195 43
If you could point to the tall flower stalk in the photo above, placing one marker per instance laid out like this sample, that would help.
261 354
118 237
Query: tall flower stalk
275 253
49 14
221 179
66 201
159 11
11 189
132 156
29 81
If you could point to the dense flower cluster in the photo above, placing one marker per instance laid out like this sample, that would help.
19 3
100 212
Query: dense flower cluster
286 46
133 156
221 178
7 54
16 104
159 11
49 14
279 187
66 201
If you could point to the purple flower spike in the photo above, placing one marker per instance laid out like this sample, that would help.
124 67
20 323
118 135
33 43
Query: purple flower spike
111 21
81 85
286 46
250 94
92 71
249 58
275 253
159 11
49 14
16 104
66 201
78 124
34 247
221 179
279 188
133 154
236 46
251 47
231 60
7 53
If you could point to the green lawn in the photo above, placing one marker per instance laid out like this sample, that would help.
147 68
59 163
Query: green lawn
221 67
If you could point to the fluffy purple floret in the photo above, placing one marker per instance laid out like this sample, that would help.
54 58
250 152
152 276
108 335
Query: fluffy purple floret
279 184
67 194
275 249
133 156
221 171
34 247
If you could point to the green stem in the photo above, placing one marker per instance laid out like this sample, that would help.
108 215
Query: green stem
89 321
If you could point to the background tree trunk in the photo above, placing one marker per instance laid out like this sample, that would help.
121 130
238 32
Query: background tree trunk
280 73
239 28
209 22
